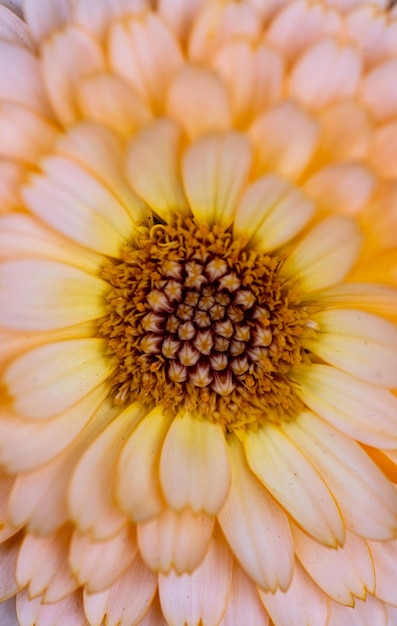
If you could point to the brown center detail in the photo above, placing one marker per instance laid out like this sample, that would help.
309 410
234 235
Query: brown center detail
199 321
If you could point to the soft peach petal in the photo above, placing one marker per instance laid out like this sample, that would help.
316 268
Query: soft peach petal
11 176
87 558
91 491
268 556
373 32
13 29
271 212
144 52
202 595
379 91
383 150
294 483
67 612
42 295
117 606
6 485
346 132
325 255
215 171
8 609
366 612
342 574
271 135
303 604
108 100
179 15
244 605
176 541
97 17
53 15
138 486
359 410
384 556
51 378
193 90
194 465
26 444
42 565
24 135
326 73
9 550
154 616
153 166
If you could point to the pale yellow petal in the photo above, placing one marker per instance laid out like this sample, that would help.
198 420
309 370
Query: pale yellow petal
325 255
384 148
346 131
194 465
176 541
51 378
294 483
377 299
202 595
138 486
267 557
91 489
215 171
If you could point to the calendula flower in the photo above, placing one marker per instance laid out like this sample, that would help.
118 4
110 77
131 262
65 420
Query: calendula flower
198 309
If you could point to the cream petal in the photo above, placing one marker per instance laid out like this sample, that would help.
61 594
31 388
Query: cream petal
175 540
20 78
380 217
244 605
9 550
219 22
39 498
43 295
13 29
101 152
383 150
53 15
23 236
359 410
215 171
108 100
346 131
24 135
91 489
358 343
179 15
342 574
66 612
384 556
154 616
366 612
267 557
365 497
193 90
66 58
327 72
377 299
271 212
87 557
260 70
117 606
342 188
77 205
153 166
373 32
271 135
294 483
325 255
42 565
51 378
379 91
202 595
97 17
144 52
194 465
303 604
138 486
26 444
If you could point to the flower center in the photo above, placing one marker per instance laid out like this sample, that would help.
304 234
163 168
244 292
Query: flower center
198 321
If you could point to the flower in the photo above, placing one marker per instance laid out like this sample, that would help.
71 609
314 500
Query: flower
198 308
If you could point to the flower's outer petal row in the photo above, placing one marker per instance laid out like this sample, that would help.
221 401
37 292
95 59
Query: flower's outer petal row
384 556
117 603
342 574
356 482
294 483
303 604
378 91
8 612
244 604
42 565
6 485
364 613
96 18
11 177
86 558
202 595
359 410
9 550
154 616
179 15
384 148
268 556
346 131
194 465
46 16
373 32
379 217
175 540
13 29
67 612
91 489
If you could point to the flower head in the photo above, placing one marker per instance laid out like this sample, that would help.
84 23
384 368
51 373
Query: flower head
198 308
